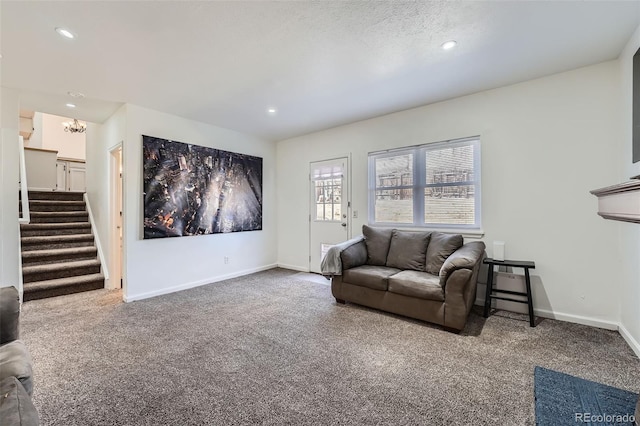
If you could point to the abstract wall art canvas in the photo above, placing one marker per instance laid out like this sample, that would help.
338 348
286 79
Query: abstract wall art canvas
196 190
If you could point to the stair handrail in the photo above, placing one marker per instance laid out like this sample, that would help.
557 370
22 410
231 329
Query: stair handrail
25 216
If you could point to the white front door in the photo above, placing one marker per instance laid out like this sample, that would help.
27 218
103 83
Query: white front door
329 207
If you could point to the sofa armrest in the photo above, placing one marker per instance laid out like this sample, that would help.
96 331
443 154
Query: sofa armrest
458 276
15 361
466 257
354 255
9 314
16 407
332 264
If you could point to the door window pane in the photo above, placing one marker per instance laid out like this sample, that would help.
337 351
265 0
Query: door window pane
328 198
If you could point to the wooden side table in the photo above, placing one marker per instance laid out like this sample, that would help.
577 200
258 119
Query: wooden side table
526 265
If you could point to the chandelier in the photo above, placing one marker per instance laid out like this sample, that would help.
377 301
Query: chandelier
74 126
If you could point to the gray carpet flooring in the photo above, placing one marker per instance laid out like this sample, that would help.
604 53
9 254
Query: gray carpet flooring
274 348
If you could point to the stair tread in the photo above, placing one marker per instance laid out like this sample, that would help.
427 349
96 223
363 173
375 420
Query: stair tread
54 225
61 282
60 251
69 213
36 269
54 195
56 202
54 192
56 238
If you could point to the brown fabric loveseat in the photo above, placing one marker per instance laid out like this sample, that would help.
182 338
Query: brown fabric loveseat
430 276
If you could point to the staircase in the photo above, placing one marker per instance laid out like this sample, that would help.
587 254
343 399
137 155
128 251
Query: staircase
59 255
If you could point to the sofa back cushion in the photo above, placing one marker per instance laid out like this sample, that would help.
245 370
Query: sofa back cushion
377 241
440 248
408 250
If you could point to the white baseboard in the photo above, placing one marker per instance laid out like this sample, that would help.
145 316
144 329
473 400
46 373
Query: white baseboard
186 286
635 346
293 267
577 319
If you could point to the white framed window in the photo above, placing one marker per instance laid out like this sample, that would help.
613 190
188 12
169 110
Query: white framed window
436 185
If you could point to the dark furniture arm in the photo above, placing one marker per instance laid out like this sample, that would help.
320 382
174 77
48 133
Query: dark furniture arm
354 255
466 257
9 314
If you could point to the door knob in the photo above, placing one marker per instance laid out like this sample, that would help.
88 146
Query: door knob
344 224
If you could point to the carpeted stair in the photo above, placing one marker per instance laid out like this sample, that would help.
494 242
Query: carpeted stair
59 255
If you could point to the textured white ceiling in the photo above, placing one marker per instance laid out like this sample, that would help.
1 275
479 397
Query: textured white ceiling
321 63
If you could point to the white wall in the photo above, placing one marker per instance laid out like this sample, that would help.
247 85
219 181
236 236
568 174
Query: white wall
629 232
35 141
9 175
68 145
545 144
164 265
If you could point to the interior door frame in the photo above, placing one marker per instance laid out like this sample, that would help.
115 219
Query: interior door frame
311 198
116 190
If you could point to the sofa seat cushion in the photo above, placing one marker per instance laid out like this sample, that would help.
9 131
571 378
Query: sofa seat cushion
374 277
15 361
417 284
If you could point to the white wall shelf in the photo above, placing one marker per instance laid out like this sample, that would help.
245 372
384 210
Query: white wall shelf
619 202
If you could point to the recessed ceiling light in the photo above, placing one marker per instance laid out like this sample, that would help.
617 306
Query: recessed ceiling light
449 44
272 110
76 95
65 32
70 105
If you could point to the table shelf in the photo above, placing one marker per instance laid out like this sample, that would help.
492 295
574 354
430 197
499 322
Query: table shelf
490 292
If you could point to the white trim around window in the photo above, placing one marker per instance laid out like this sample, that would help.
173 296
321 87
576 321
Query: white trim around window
435 185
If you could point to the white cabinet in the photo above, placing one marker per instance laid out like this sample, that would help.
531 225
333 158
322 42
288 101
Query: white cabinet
61 175
76 177
70 175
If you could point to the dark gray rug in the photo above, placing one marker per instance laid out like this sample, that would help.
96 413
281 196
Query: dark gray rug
563 399
274 349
